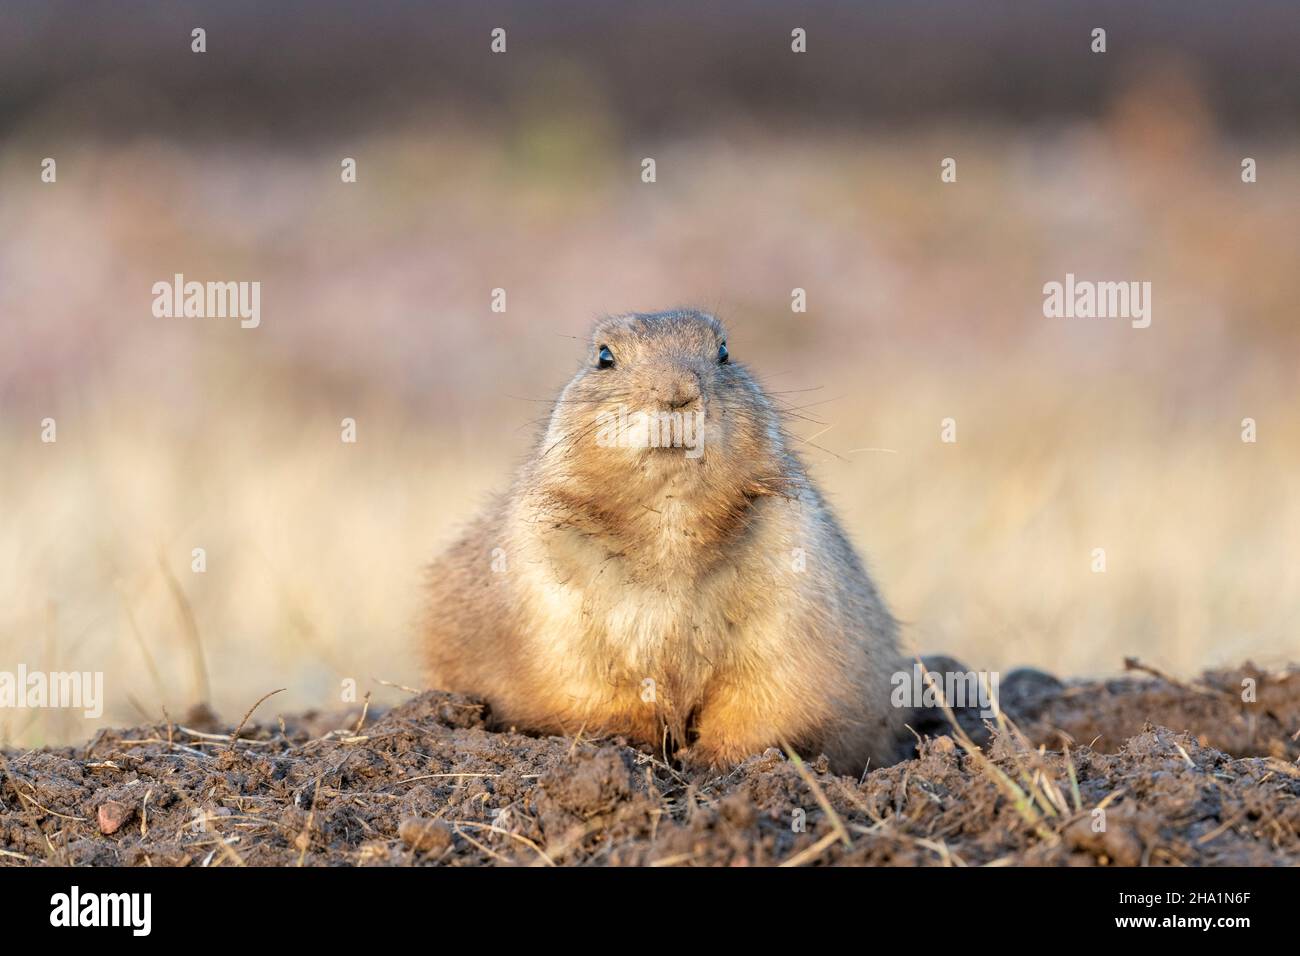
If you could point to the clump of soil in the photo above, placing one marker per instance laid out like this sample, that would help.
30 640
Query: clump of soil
1134 771
1211 709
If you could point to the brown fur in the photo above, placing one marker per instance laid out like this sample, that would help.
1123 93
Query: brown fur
629 565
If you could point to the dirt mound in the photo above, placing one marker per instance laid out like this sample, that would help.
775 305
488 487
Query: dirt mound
1125 772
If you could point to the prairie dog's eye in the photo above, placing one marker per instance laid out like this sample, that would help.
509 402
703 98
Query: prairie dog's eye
606 358
722 354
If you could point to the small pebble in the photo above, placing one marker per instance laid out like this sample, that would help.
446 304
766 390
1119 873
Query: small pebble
112 815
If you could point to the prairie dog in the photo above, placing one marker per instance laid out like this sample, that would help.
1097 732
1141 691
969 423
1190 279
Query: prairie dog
664 568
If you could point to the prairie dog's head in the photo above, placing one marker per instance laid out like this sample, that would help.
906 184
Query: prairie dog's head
661 404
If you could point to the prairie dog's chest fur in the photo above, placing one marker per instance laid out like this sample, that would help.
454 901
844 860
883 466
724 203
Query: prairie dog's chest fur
611 613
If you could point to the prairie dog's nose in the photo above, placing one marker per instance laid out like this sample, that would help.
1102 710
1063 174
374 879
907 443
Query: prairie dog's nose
686 393
681 388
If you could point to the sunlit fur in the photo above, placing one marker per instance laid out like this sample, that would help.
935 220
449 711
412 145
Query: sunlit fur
625 566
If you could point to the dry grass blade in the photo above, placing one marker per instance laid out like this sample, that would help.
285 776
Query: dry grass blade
517 837
1074 781
1133 664
811 853
249 713
190 624
840 829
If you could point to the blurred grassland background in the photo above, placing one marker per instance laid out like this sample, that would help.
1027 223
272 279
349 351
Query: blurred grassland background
522 172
